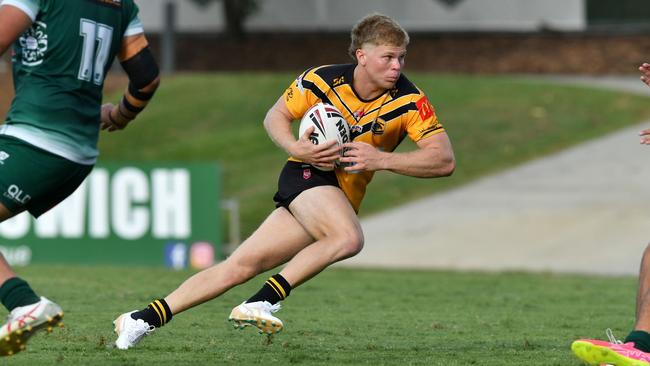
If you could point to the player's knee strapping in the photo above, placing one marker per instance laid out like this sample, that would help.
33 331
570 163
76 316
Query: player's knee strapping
275 289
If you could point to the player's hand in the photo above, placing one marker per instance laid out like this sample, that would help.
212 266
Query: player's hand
645 137
106 122
360 156
645 70
320 155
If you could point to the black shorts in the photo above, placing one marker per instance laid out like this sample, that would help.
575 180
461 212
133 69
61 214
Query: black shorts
298 177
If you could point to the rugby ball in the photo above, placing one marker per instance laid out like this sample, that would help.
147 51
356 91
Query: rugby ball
328 123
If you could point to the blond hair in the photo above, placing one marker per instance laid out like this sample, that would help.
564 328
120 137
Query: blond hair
379 30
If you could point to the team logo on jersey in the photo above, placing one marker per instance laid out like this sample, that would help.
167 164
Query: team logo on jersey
378 126
34 44
306 174
3 156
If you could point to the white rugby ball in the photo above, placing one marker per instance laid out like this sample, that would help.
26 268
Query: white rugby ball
328 123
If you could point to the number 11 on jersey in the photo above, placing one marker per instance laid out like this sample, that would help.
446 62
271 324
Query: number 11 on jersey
97 40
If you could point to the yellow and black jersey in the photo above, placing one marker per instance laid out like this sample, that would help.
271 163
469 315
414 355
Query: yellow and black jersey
382 122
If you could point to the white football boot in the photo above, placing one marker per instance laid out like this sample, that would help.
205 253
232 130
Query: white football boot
257 314
24 321
130 331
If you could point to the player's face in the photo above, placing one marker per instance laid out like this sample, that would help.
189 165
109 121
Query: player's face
383 63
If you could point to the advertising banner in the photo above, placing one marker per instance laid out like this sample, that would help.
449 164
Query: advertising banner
126 214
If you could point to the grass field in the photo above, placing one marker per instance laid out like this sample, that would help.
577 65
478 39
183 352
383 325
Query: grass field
342 317
494 123
345 316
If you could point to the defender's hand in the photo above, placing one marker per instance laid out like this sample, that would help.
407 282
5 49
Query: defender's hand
645 137
645 70
106 122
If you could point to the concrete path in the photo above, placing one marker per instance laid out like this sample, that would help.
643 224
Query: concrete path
583 210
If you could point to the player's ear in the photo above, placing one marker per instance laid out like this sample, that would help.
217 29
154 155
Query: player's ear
361 56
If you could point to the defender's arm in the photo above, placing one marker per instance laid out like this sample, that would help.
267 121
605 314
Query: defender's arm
144 78
13 22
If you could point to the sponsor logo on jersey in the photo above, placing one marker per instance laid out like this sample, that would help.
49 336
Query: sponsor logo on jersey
16 194
3 156
289 94
34 44
424 108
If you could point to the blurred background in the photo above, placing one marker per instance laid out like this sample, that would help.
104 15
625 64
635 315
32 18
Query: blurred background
481 62
515 36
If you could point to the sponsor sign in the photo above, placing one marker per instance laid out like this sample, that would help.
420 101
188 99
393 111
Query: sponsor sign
124 213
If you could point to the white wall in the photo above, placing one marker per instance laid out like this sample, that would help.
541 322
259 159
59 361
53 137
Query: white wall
414 15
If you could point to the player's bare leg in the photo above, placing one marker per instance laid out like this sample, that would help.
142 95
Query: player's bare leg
643 294
29 313
5 213
326 215
5 270
635 349
278 239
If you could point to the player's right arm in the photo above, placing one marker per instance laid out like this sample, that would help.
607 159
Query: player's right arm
278 125
144 78
13 22
645 77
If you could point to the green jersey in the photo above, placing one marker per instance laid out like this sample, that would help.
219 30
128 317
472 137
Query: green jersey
59 66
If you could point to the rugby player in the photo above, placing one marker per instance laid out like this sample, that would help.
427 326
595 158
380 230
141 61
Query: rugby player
48 143
635 349
315 222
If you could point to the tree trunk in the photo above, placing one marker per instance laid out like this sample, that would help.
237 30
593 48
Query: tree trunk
235 12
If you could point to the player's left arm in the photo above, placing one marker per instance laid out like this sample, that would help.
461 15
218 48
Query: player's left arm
13 22
144 78
433 158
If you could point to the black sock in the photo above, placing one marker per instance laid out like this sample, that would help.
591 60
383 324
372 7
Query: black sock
156 314
274 290
16 292
641 340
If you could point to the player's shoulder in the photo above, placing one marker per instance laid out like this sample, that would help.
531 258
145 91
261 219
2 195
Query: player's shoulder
330 74
405 87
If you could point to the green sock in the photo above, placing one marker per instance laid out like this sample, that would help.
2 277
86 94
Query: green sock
16 292
641 340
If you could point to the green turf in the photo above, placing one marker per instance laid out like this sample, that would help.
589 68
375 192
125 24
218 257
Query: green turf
341 317
494 122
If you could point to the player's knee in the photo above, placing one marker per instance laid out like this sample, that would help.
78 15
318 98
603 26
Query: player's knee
351 244
239 272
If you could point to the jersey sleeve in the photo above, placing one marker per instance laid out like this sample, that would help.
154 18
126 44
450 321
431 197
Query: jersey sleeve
134 26
299 97
29 7
422 122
